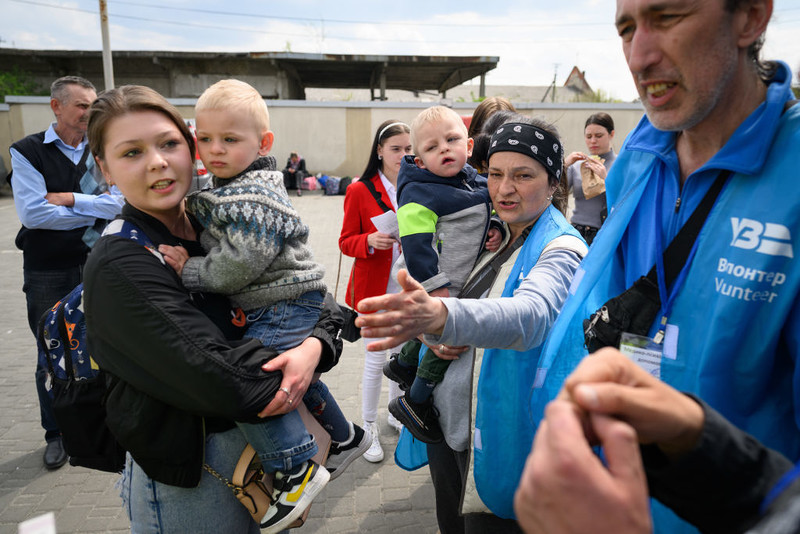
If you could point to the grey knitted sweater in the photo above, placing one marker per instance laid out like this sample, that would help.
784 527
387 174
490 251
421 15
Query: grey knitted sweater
256 244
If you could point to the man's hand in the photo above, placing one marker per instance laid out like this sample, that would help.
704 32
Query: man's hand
565 489
60 199
610 383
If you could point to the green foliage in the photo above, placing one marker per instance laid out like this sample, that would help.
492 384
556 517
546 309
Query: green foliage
18 82
796 90
476 99
602 96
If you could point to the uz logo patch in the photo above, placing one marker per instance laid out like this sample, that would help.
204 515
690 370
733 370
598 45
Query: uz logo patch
766 238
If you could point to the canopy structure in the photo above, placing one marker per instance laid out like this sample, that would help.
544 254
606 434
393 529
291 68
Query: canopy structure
281 75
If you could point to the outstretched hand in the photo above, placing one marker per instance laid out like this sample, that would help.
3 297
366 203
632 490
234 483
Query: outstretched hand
403 316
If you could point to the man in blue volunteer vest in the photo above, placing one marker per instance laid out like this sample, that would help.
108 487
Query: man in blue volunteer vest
728 328
58 200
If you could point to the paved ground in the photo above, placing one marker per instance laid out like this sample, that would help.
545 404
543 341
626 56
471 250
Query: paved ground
375 498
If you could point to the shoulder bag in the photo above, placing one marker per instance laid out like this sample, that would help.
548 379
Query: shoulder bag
635 310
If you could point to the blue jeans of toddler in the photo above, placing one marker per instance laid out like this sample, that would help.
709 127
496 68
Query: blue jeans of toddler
283 442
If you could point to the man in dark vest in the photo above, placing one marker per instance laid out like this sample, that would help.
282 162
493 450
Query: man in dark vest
59 199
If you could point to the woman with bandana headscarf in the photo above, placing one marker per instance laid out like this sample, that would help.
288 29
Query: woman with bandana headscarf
512 298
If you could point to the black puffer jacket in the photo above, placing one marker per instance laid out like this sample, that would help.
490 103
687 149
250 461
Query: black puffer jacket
176 376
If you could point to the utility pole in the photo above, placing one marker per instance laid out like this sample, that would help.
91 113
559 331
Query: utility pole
108 66
555 74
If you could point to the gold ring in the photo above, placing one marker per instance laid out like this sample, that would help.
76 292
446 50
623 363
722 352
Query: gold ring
290 401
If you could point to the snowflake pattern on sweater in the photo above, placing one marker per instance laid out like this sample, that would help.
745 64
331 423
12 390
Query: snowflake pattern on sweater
256 244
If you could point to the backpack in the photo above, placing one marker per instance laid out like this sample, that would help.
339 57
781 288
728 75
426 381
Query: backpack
344 183
78 385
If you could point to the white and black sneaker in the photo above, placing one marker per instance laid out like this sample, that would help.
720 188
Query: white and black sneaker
343 454
292 493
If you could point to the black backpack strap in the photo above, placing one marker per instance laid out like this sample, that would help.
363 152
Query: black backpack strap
377 196
678 250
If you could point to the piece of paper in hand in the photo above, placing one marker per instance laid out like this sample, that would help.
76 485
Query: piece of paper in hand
386 223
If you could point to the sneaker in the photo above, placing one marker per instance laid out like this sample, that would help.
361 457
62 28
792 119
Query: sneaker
422 420
403 375
394 423
375 453
292 493
342 455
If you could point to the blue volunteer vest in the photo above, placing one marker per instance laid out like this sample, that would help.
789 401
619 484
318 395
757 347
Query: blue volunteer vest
735 322
503 422
503 427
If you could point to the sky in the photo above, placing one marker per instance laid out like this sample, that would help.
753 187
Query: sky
534 40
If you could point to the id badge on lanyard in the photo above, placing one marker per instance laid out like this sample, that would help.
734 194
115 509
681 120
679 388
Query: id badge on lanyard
645 351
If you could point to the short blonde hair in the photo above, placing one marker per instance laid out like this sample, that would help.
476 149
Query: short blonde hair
433 114
228 94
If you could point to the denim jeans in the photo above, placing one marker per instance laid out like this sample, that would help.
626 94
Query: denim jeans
283 442
42 290
285 324
157 508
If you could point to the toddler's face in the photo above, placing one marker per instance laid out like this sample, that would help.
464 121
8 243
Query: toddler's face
443 146
228 141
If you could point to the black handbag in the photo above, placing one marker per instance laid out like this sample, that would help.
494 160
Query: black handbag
635 309
350 332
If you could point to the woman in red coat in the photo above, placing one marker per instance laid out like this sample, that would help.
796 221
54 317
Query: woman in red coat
374 254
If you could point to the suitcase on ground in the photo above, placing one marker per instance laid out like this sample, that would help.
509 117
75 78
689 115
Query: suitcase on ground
332 185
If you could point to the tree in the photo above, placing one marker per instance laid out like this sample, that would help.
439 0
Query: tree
599 96
18 82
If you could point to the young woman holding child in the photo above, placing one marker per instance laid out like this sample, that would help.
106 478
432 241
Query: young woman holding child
177 382
374 254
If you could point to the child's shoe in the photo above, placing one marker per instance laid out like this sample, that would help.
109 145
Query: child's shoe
292 493
343 454
422 420
402 374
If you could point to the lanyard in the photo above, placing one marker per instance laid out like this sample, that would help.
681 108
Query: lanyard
667 299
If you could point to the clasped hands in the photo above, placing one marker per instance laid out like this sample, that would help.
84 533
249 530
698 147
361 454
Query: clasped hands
608 401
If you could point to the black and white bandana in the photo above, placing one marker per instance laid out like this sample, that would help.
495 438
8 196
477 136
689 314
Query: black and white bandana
530 141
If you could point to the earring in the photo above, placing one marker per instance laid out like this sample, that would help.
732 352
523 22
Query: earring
550 198
380 157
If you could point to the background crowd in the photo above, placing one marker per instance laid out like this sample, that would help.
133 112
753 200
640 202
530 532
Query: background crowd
698 410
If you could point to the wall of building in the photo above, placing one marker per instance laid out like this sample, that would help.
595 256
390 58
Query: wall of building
334 137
